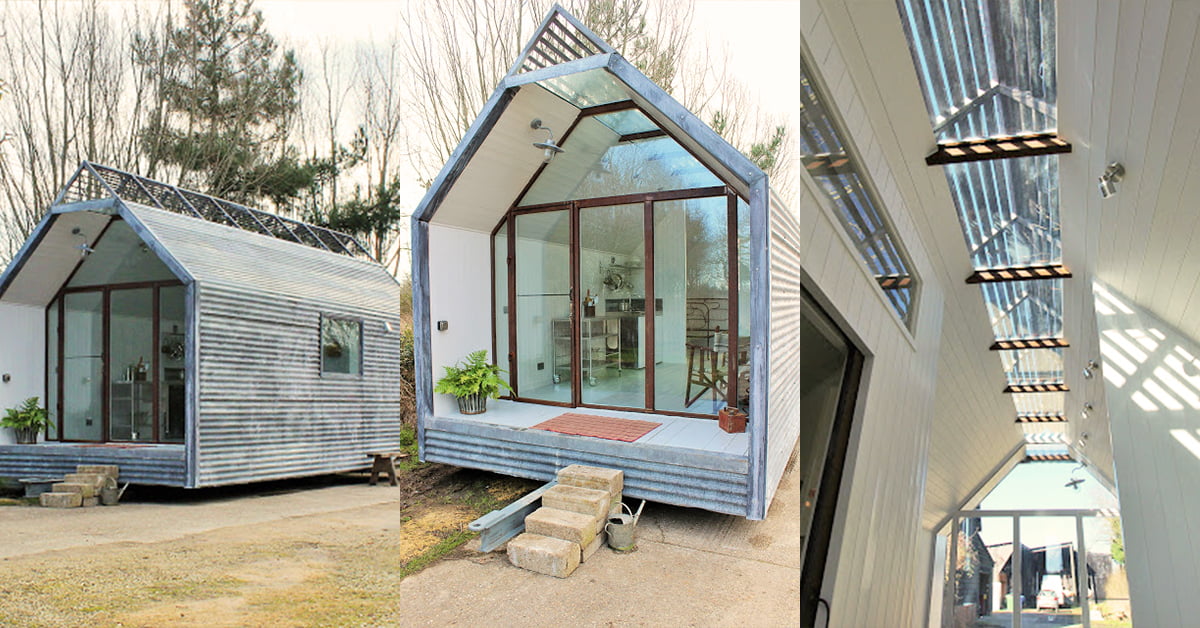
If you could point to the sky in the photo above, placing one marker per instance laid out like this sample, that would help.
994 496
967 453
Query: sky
759 37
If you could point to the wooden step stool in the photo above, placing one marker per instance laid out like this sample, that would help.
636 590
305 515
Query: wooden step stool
385 462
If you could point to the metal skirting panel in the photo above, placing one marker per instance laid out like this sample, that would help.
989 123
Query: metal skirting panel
159 464
783 428
714 482
264 409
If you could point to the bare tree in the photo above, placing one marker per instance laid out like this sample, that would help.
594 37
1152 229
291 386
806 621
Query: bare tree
457 51
69 98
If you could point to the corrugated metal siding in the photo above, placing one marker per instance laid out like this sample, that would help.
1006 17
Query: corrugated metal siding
265 411
217 253
783 425
713 482
158 464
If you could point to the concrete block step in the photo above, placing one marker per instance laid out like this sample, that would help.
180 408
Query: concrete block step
85 490
563 524
61 500
543 554
587 501
98 480
611 481
587 552
111 470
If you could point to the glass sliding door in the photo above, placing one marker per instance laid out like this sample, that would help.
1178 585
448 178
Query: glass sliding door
132 365
500 273
52 370
691 278
172 347
613 331
83 366
543 317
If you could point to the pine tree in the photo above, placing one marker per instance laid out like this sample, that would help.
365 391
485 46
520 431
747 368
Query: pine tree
230 96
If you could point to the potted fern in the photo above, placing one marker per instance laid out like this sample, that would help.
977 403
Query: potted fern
26 420
472 381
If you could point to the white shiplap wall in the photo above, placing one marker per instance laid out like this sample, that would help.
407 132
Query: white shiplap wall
22 356
933 424
783 426
1152 376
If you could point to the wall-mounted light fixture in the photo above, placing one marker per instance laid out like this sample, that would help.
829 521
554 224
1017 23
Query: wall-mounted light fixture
1089 371
1087 410
1109 179
82 247
549 148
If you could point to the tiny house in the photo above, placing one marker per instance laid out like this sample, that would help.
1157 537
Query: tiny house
625 265
197 342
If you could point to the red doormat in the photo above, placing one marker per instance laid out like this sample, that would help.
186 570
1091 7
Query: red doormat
625 430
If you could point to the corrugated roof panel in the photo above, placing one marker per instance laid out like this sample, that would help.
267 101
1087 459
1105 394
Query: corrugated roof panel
218 253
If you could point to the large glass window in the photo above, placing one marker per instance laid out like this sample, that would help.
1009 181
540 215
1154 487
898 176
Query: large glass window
132 364
543 317
691 277
612 156
614 329
171 354
341 346
83 366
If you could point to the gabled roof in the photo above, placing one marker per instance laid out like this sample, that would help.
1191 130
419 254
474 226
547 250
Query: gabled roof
196 248
588 73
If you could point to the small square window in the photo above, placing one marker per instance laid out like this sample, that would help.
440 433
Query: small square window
341 346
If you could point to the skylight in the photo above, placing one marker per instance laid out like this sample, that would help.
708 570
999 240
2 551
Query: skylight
836 168
987 71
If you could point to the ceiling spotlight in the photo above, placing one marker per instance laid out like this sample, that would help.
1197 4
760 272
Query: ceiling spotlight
1108 181
549 148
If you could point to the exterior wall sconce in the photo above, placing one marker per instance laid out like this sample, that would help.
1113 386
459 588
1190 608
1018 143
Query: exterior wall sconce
1089 371
1087 410
549 148
1108 181
82 247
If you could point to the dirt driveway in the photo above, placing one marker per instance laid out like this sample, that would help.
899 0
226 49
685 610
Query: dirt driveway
336 552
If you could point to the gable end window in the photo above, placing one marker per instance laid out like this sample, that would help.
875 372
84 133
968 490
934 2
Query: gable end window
341 346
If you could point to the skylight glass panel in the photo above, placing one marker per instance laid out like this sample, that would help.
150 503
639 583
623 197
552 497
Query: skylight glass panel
1033 404
986 68
595 164
837 171
1009 210
1033 366
1025 309
588 88
627 122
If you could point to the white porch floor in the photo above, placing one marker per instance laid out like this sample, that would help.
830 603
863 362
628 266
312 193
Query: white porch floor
675 432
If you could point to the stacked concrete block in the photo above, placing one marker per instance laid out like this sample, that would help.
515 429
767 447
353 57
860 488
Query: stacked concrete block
81 488
569 527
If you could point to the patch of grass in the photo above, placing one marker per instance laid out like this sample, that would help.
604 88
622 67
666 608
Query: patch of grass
408 445
445 546
17 501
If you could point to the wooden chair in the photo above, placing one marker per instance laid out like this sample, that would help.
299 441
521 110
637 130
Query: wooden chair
708 368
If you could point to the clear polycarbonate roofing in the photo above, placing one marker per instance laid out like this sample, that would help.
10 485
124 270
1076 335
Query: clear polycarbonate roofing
988 70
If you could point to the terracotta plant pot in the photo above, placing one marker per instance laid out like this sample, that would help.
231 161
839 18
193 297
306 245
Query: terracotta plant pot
732 420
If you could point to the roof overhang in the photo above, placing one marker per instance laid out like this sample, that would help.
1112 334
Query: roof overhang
494 161
51 253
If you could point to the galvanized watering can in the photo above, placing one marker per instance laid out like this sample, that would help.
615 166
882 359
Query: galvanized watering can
622 528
